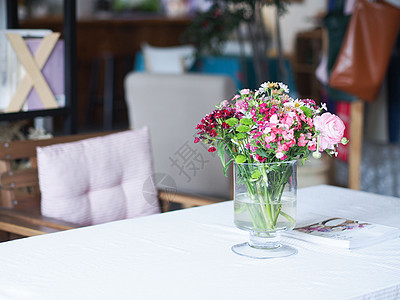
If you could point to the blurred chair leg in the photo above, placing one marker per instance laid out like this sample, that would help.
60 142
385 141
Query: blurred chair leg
355 151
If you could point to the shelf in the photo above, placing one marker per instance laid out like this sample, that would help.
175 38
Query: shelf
305 62
70 84
34 113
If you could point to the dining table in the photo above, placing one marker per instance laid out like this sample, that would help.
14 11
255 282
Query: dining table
186 254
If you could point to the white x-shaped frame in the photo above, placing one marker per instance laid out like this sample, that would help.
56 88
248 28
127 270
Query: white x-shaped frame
33 66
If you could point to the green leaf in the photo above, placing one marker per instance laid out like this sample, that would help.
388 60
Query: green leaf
243 128
232 121
307 111
262 152
241 136
256 174
221 152
240 159
246 121
275 169
227 166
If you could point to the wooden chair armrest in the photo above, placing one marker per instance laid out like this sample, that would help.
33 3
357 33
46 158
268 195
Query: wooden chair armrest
26 224
185 199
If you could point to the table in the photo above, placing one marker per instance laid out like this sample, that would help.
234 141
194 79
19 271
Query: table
186 255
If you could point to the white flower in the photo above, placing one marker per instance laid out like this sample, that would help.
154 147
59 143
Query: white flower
323 106
279 154
289 104
274 119
267 130
263 87
284 87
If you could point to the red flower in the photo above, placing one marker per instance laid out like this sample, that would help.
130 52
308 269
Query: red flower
196 140
260 158
212 149
213 133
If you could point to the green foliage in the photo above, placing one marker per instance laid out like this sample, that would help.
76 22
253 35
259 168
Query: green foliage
232 122
210 29
243 128
307 111
246 121
241 136
256 174
240 159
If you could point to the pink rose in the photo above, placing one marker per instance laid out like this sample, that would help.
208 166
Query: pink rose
331 128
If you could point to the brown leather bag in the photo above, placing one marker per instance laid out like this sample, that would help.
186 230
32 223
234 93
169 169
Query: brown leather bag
363 59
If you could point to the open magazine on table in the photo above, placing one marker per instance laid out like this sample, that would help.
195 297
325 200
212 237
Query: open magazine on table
343 232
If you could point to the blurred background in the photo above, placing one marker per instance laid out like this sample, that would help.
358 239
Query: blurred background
248 41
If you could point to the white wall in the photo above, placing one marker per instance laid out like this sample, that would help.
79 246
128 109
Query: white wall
299 17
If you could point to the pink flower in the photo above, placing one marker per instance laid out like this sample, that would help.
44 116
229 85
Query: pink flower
245 92
270 138
288 120
312 145
331 129
288 135
257 135
253 149
309 122
224 103
280 155
239 105
302 140
285 147
196 140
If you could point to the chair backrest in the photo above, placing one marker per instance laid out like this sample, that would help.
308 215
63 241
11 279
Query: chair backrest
171 106
19 183
168 60
98 180
83 179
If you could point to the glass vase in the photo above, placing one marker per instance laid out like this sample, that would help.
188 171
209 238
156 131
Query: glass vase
265 204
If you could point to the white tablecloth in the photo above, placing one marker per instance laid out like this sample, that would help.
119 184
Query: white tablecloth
187 255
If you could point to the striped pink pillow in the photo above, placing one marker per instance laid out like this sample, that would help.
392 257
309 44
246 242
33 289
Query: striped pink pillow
99 179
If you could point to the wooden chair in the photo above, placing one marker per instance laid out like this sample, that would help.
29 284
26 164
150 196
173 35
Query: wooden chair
20 193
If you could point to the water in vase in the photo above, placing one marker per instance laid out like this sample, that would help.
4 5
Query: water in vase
250 215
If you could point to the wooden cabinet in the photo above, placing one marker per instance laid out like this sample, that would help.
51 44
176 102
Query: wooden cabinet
307 56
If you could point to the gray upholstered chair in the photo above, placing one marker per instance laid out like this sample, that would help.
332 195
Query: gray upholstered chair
171 106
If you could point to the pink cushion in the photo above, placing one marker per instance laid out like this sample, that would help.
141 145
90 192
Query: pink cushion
99 179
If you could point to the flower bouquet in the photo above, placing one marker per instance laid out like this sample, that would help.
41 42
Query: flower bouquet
263 133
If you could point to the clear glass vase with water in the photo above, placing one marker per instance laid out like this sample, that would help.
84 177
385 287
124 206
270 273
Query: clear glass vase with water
265 204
